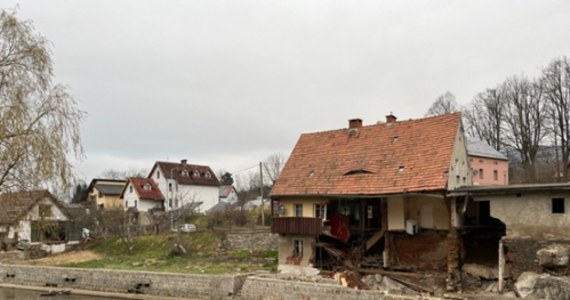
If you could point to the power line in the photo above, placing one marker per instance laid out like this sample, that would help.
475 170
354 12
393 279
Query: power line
243 170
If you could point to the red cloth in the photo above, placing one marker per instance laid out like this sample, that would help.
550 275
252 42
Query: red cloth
340 227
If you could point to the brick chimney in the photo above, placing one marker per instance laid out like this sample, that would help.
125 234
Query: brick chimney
390 118
183 162
354 123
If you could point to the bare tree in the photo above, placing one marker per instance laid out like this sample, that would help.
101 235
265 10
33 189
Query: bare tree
39 121
121 174
443 104
525 112
272 166
484 117
556 82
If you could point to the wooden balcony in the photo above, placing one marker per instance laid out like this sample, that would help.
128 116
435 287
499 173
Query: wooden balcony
297 225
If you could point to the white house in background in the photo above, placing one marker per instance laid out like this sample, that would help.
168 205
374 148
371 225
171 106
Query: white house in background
142 194
38 217
183 184
228 194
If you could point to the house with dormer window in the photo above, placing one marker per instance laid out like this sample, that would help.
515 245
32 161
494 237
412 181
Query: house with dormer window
142 194
378 190
184 184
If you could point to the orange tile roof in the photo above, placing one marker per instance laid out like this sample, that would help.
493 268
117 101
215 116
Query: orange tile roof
367 161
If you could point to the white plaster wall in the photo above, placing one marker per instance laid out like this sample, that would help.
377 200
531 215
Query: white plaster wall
530 215
396 214
459 173
231 198
146 205
129 196
286 244
410 207
56 213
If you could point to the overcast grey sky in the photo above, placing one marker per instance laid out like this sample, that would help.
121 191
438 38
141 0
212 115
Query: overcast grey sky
227 83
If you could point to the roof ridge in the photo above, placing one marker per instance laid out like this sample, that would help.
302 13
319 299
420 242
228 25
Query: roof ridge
379 123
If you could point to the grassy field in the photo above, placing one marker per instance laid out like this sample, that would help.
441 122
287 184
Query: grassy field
154 253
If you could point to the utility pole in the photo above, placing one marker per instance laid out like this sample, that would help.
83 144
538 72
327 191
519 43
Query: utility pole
261 193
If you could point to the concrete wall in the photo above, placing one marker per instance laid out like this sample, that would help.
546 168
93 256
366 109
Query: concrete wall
160 284
529 215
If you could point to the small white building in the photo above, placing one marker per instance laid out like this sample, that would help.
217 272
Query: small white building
228 194
183 184
142 194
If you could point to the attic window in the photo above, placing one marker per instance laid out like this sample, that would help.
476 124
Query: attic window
196 173
184 172
146 187
208 175
401 169
354 172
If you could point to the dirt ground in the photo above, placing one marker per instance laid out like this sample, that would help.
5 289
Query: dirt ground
67 257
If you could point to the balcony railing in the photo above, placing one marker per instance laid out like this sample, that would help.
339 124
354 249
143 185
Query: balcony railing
297 225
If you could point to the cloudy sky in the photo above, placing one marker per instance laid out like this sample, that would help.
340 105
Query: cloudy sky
227 83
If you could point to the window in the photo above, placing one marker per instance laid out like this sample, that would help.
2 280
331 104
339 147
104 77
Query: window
136 204
44 210
480 173
130 188
185 173
146 187
298 248
557 205
100 194
157 174
126 203
208 175
196 173
495 175
298 210
170 186
321 211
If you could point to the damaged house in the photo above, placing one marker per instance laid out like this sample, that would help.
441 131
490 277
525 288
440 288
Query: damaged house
373 196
